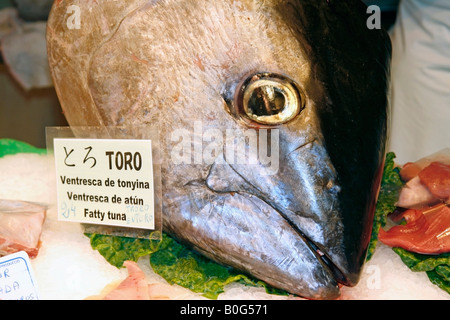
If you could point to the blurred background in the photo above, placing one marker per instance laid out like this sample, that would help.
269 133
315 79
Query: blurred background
28 102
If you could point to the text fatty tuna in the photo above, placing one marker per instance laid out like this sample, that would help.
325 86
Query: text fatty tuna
271 116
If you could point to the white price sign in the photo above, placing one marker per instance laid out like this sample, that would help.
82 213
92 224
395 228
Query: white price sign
105 181
17 280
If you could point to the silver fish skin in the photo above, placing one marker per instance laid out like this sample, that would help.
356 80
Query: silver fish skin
307 80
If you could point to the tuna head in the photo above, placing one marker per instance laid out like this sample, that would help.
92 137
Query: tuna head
272 120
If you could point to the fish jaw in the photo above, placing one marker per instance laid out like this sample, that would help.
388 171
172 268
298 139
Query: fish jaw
243 231
306 193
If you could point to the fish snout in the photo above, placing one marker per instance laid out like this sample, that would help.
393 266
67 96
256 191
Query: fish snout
305 194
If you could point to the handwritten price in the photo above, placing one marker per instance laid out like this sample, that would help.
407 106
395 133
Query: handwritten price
67 209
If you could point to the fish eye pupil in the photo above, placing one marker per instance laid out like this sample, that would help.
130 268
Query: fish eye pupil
268 99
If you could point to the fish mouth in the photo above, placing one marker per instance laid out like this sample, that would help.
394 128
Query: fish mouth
317 249
321 254
306 225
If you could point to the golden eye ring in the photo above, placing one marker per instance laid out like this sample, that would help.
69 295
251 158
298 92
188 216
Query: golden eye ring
268 99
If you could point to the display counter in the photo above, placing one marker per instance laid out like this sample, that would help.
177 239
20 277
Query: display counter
67 268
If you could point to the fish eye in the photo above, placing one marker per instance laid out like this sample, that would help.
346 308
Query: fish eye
269 99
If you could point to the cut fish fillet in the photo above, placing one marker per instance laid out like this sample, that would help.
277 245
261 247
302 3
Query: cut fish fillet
20 227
